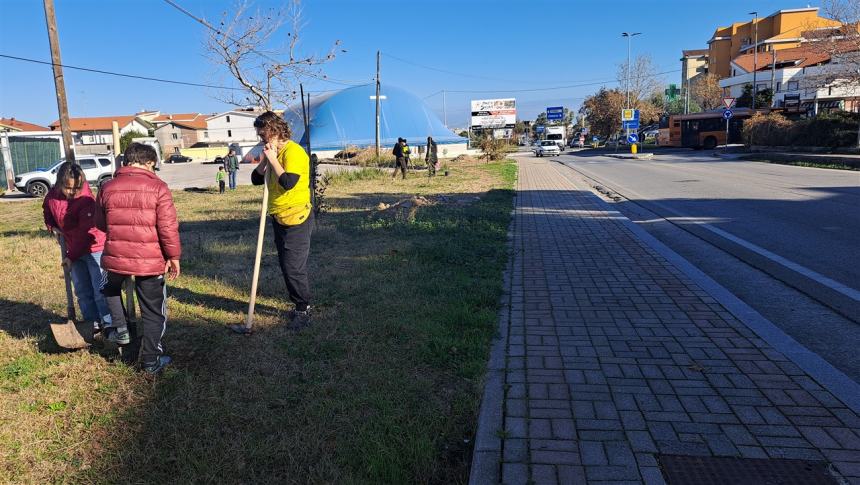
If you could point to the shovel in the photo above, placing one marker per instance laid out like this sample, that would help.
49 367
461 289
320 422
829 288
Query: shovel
247 328
67 334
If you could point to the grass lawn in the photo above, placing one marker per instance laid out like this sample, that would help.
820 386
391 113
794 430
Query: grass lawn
384 388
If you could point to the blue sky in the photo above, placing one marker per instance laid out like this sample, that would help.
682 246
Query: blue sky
503 45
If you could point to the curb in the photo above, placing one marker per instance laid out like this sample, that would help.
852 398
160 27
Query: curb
631 156
487 454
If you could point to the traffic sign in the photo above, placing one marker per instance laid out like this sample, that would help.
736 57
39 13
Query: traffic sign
595 139
630 115
539 129
632 138
728 102
630 125
555 113
584 130
727 114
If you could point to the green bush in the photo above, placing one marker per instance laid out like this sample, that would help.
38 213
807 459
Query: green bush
837 129
833 130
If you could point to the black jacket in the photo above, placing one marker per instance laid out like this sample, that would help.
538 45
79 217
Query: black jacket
398 150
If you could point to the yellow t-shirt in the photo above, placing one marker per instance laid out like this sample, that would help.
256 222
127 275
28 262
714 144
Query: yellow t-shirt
291 207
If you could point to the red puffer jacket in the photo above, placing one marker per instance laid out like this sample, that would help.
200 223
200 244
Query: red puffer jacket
136 211
75 219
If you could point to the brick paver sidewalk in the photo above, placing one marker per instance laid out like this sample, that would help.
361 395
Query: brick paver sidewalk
613 355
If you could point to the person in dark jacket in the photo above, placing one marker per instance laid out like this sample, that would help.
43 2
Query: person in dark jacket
231 165
69 210
431 157
399 158
136 211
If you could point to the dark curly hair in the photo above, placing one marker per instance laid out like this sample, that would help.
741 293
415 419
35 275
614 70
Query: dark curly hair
138 153
272 125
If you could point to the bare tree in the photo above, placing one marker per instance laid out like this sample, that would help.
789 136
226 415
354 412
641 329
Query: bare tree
644 83
243 44
707 92
840 44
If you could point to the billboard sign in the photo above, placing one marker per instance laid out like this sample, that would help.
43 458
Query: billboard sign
494 113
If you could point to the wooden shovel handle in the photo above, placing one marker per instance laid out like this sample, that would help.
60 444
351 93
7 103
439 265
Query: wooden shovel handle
249 322
70 304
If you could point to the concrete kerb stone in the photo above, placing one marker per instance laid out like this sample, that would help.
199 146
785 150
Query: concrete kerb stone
822 371
487 454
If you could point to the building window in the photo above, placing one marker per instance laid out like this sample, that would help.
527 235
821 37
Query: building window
778 86
734 72
228 118
175 136
792 86
229 133
205 134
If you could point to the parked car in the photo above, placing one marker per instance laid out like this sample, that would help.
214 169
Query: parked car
547 147
97 168
177 158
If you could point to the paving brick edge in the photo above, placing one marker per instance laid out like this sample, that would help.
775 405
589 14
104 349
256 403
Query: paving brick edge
834 380
487 453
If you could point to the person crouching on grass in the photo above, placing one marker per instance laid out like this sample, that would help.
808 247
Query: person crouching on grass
69 209
285 168
136 211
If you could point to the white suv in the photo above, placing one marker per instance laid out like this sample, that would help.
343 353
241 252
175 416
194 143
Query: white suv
97 168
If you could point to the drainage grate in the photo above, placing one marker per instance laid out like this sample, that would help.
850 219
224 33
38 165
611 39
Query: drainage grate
684 470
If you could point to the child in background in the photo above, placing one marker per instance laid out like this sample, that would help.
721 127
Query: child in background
69 209
219 177
136 211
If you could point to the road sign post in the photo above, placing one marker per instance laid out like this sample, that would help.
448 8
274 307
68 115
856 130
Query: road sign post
554 113
629 121
727 114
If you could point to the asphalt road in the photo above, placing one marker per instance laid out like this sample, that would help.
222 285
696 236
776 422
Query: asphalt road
802 221
808 216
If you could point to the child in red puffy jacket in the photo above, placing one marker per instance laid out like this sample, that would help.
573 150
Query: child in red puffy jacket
69 209
136 211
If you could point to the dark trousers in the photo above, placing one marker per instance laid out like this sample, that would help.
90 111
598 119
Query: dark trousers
400 162
431 166
221 186
294 245
152 297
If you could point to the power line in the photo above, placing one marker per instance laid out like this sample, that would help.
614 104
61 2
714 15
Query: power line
111 73
209 26
450 72
547 89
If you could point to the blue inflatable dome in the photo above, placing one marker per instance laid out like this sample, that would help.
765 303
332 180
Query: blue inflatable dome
348 117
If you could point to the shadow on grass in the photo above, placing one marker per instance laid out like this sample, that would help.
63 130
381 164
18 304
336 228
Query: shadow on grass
382 389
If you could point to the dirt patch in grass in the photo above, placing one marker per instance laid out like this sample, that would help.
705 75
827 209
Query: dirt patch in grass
384 388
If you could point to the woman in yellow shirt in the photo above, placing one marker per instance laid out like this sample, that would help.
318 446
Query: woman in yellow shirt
285 168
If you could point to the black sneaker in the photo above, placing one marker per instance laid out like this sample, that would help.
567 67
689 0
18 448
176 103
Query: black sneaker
299 319
158 366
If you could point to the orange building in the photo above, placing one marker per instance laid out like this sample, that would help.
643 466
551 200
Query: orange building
781 30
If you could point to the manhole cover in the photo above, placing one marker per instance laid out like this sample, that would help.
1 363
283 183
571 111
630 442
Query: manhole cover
684 470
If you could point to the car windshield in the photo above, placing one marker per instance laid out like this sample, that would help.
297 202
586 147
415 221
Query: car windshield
548 143
554 136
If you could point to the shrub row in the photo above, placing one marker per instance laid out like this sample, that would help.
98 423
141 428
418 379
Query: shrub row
826 130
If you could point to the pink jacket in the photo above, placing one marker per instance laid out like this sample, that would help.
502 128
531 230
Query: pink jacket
136 211
75 220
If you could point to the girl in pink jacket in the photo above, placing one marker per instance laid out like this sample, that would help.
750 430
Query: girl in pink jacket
69 209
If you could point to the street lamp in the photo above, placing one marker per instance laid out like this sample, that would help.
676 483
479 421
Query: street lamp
629 36
755 57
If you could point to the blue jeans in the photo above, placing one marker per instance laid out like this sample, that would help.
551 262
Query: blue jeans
87 278
233 179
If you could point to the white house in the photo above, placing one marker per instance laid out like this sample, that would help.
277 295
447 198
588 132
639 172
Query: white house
97 132
802 79
231 127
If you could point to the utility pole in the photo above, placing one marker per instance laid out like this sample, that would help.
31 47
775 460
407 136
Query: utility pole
773 79
59 83
755 57
377 105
